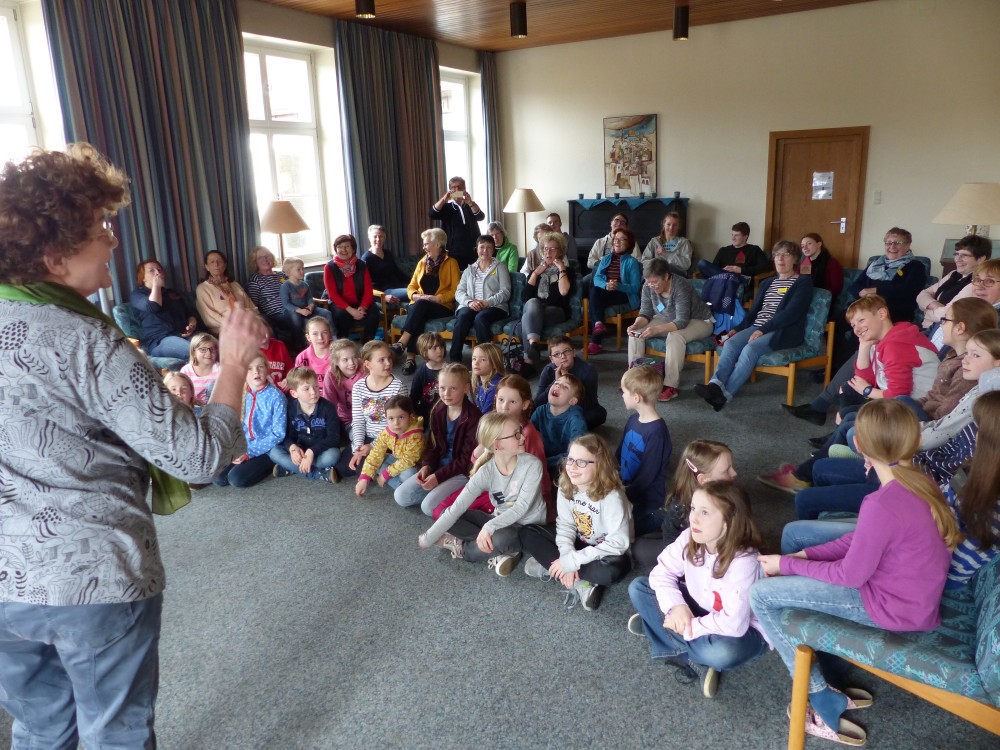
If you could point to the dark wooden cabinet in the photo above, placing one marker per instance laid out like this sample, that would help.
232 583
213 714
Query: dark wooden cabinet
589 220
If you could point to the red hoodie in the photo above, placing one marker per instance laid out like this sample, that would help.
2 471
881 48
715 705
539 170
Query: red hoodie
905 363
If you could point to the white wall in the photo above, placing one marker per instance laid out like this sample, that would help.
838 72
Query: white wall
924 74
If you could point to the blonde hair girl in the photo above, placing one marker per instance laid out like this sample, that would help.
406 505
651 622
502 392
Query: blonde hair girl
203 365
487 370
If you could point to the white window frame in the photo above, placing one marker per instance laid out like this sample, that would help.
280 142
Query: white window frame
457 136
23 115
269 128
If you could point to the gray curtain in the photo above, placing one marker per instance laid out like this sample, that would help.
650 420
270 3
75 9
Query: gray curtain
390 98
494 184
158 87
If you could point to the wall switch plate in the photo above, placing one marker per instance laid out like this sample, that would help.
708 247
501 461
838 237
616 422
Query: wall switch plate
877 199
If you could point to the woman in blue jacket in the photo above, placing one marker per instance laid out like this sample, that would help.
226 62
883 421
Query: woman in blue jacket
617 281
777 320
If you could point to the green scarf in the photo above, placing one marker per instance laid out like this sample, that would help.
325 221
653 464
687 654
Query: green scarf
169 493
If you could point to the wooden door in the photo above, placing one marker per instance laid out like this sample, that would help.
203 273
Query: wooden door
816 183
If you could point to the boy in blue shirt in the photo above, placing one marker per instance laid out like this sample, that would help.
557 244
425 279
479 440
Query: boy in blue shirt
312 436
644 452
560 420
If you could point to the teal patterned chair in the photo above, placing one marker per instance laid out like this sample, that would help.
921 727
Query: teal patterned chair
575 326
124 316
815 351
516 304
956 666
701 351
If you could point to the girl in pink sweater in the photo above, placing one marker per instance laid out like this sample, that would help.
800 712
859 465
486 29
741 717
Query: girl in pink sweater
345 370
888 573
695 608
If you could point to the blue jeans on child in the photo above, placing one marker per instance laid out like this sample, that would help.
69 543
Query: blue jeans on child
719 652
245 474
769 597
320 467
738 358
87 672
410 493
839 486
798 535
401 477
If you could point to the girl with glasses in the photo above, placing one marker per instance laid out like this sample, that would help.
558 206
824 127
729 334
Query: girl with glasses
586 549
513 481
202 365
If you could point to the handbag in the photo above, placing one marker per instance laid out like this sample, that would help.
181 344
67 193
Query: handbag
513 355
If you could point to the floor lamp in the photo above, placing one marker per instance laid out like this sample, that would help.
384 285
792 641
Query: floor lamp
281 218
522 201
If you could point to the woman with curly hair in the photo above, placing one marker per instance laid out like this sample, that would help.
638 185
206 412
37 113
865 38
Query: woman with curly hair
79 630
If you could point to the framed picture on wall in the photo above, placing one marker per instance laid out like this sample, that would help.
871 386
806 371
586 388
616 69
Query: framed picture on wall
630 155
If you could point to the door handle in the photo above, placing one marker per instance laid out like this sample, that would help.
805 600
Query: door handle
843 224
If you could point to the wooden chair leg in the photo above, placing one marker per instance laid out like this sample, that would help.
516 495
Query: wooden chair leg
618 332
790 393
586 329
800 698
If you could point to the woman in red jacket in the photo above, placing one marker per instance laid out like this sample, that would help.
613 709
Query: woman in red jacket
349 287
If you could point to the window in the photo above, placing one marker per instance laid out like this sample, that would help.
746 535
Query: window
462 123
17 124
284 143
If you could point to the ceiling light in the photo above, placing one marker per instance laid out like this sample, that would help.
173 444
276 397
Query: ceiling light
681 14
364 8
519 20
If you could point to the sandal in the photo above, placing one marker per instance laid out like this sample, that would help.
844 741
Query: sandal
848 733
857 698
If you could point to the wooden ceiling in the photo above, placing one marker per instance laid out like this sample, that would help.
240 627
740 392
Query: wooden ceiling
485 24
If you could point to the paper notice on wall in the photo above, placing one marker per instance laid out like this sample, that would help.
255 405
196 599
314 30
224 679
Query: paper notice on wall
822 186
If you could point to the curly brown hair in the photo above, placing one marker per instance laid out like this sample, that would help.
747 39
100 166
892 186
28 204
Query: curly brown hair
47 205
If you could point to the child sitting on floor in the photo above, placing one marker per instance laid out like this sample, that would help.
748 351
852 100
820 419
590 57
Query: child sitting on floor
643 454
316 355
424 385
487 370
560 421
181 386
397 450
312 434
695 605
587 547
338 384
203 365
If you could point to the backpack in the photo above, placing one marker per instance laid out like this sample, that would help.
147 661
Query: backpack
513 355
720 293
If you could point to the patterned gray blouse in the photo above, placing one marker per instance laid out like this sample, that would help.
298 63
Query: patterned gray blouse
80 408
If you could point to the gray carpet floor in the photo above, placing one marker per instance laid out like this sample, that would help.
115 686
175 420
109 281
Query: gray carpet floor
299 616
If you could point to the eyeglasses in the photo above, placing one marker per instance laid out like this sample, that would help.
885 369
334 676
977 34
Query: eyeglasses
781 254
518 433
560 354
894 243
207 349
107 233
580 463
964 256
947 320
986 282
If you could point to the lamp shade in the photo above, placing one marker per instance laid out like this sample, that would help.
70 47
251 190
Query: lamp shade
523 200
364 8
975 203
282 218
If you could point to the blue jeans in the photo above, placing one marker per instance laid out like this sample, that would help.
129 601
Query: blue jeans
298 322
246 474
720 652
922 415
401 477
770 596
839 486
738 358
410 493
320 467
177 347
798 535
87 672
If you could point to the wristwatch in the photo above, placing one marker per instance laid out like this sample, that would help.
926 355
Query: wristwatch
868 391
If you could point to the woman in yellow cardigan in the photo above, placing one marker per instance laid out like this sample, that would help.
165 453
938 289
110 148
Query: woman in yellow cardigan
431 292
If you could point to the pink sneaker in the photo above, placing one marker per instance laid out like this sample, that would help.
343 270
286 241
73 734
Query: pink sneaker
600 329
668 394
594 348
783 479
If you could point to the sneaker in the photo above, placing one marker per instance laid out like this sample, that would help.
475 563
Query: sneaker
712 393
590 594
409 367
333 476
600 329
635 625
784 479
535 569
453 544
843 451
819 442
279 472
594 348
804 411
503 564
668 394
683 673
709 679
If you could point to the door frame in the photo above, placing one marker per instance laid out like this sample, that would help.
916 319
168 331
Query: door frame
856 189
